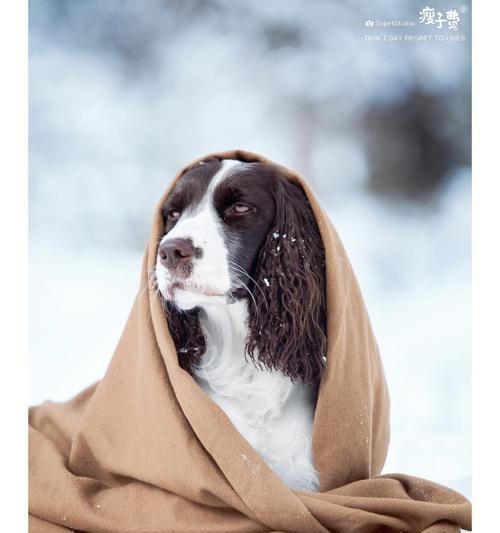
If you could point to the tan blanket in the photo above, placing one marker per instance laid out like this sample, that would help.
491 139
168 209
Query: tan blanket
146 451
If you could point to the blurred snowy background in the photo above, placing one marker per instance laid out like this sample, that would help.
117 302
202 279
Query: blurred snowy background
123 93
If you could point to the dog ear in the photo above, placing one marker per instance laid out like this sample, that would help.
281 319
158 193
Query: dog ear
187 335
288 321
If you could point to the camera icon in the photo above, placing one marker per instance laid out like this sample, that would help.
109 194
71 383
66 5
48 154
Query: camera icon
369 23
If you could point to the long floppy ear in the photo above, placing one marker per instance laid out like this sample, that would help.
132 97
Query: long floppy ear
187 335
288 321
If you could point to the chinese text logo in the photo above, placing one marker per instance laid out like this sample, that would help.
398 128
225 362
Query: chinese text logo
428 15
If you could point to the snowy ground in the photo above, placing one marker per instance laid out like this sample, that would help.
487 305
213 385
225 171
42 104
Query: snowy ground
413 267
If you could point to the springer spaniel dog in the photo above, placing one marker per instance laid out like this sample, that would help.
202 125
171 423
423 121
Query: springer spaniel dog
241 272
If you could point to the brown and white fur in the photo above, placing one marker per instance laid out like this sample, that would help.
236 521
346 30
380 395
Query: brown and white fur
241 272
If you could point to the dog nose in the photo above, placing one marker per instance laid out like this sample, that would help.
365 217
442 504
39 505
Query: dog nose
176 252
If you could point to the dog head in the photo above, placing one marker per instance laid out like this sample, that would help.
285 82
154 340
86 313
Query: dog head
238 230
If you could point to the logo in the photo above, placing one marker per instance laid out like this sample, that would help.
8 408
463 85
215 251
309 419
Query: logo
450 19
447 26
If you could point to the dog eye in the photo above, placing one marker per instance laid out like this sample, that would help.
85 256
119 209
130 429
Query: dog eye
240 209
173 214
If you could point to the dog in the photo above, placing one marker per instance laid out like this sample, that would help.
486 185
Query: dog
241 273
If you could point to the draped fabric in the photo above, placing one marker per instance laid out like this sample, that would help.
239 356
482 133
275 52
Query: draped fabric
145 450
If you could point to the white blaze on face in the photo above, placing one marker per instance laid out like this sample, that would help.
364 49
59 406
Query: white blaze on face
210 274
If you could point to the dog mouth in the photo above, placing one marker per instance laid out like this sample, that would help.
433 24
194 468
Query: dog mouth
190 286
238 293
172 283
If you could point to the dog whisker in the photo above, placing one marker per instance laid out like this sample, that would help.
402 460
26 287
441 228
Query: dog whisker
237 280
244 272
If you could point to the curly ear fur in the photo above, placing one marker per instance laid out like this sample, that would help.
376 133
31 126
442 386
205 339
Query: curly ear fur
288 323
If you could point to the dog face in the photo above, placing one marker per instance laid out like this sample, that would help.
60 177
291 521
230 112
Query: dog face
235 230
216 219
